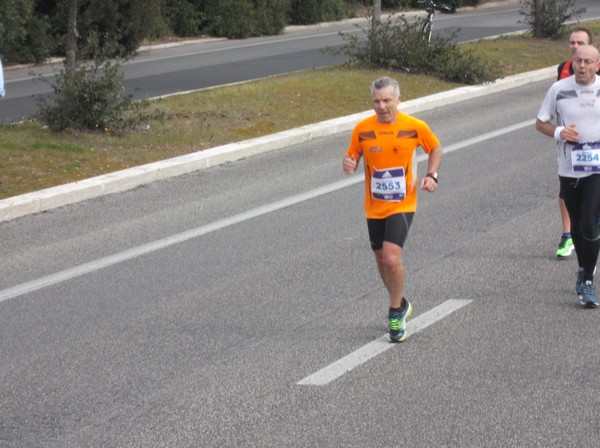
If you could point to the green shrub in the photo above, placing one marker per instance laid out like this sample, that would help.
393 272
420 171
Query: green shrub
270 16
90 97
401 45
453 63
184 18
237 19
115 28
24 34
305 12
553 16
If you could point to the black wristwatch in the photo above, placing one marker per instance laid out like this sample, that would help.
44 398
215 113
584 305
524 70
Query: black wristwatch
434 176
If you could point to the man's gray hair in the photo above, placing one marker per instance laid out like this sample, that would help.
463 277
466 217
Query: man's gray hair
384 82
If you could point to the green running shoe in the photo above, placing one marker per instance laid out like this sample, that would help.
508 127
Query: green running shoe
565 247
397 322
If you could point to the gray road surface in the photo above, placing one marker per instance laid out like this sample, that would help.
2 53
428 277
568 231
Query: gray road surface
191 308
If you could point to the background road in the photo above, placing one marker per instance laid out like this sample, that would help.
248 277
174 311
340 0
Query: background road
207 63
191 309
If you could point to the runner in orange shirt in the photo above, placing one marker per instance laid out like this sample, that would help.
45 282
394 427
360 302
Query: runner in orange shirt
387 142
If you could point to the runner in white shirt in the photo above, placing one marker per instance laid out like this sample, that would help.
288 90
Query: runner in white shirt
574 103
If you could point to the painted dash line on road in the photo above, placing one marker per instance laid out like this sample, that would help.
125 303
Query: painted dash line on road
344 365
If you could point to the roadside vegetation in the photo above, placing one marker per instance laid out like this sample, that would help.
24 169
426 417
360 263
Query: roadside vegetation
399 44
35 30
546 18
33 157
92 97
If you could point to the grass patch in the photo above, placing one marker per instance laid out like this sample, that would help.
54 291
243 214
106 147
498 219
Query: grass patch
57 146
32 158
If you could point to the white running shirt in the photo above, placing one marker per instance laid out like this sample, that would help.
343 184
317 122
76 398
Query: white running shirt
571 103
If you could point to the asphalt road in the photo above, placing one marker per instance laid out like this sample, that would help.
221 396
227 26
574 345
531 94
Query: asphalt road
191 312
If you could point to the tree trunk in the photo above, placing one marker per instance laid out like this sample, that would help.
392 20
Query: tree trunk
376 13
539 18
71 43
375 19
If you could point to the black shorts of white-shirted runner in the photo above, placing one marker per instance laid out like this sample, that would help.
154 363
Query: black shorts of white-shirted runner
393 229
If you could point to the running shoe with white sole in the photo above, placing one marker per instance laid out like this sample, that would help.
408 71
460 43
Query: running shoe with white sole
565 247
588 297
581 280
397 322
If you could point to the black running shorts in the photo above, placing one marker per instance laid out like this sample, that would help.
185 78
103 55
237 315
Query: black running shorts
393 229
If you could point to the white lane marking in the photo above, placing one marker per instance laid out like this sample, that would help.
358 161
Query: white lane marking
380 345
163 243
489 135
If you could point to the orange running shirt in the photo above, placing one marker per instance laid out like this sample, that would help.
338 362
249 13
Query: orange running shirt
384 146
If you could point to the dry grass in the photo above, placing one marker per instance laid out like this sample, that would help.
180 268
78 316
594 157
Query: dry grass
32 158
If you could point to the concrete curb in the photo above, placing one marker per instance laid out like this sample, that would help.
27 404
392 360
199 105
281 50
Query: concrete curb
49 198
